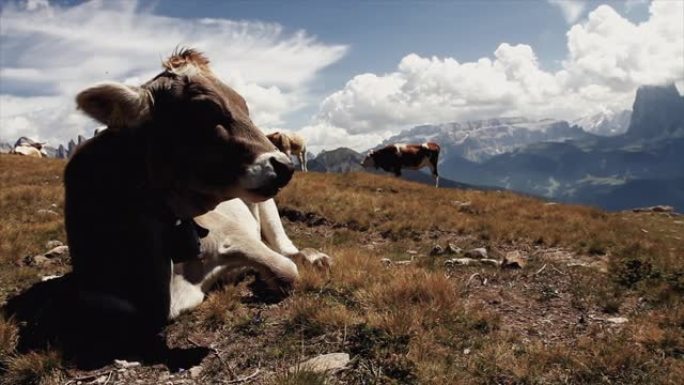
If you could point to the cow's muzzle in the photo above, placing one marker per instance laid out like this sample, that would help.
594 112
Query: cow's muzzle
267 175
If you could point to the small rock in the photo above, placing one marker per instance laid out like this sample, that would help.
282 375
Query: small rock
437 250
58 251
490 262
37 260
458 261
100 380
514 260
123 364
453 249
386 261
48 212
466 351
550 203
51 244
477 253
411 252
617 320
323 363
195 372
49 277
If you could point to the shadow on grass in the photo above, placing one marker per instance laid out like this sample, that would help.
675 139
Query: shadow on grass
49 317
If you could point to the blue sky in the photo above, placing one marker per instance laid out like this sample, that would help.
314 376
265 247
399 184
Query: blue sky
344 72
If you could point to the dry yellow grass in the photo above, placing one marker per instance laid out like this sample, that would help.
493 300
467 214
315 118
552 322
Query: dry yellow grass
418 323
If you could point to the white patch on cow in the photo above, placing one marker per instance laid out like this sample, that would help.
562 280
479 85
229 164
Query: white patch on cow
184 296
425 146
241 236
400 147
261 172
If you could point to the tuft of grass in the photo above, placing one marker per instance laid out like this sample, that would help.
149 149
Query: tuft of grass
33 368
299 377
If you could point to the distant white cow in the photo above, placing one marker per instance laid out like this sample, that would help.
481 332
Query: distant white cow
28 147
291 144
241 235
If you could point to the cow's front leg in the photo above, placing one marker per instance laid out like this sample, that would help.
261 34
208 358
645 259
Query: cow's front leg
275 272
274 234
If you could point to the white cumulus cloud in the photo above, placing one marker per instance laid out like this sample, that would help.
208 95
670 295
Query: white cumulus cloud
572 9
50 52
608 58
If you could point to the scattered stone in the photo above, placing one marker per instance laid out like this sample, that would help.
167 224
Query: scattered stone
617 320
437 250
458 261
323 363
49 277
123 364
490 262
411 252
466 351
477 253
48 212
406 262
59 251
386 262
550 203
51 244
644 231
514 260
654 209
453 249
195 372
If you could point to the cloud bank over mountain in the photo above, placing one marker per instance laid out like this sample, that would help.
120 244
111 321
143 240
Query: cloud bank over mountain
49 53
608 58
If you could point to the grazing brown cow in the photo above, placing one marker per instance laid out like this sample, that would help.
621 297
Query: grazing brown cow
291 144
174 148
394 157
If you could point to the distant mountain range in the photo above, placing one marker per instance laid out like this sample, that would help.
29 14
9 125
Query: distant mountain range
605 123
482 139
615 161
643 166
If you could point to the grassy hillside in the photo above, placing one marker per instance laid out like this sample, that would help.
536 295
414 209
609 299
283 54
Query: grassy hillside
599 301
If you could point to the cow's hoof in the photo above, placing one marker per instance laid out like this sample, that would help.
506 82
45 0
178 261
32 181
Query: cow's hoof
315 258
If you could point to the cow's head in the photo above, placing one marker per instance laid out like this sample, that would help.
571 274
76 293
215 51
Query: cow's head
199 143
369 160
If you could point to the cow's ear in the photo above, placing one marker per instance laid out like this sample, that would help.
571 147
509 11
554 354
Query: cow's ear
116 105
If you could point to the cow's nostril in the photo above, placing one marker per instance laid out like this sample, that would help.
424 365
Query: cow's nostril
283 171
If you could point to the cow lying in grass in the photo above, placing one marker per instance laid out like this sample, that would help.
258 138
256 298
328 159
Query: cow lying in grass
175 148
240 235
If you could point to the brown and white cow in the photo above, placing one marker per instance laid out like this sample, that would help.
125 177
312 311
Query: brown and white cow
291 144
394 157
28 147
174 148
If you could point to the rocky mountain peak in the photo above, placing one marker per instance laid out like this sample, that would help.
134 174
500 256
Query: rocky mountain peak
658 112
